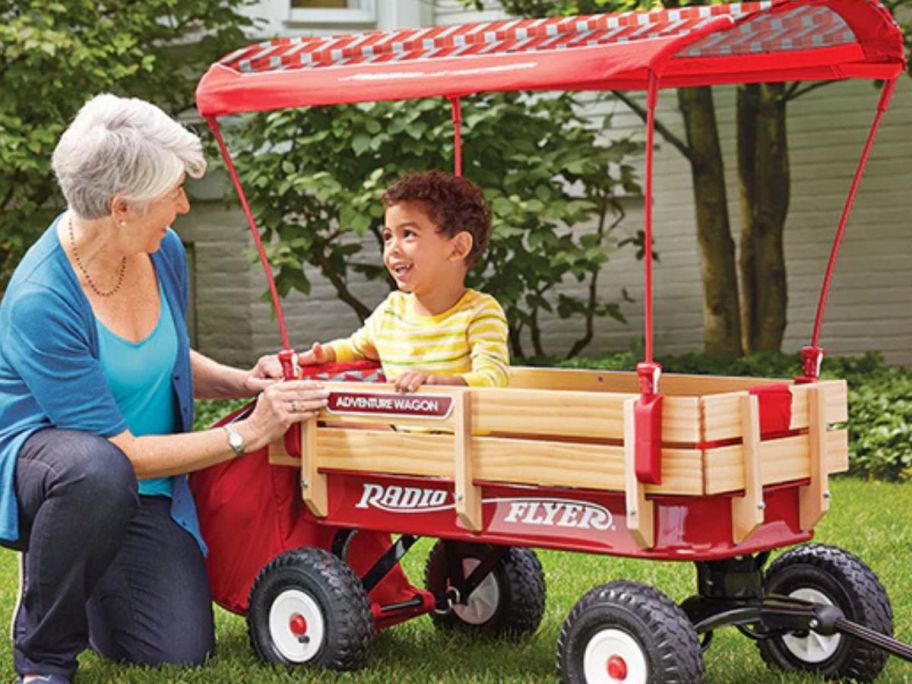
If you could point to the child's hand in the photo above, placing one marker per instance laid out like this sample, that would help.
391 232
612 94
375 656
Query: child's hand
316 355
412 380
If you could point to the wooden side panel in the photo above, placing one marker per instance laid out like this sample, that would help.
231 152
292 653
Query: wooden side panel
575 414
781 460
722 417
498 459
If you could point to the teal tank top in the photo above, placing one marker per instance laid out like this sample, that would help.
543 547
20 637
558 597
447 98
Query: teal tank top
139 374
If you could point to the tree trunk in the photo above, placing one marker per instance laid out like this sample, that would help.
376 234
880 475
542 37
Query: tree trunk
721 323
763 174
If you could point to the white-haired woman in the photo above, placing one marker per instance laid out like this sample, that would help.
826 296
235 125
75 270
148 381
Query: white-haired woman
97 382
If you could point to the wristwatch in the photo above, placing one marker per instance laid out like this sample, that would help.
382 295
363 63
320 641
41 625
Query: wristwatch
235 441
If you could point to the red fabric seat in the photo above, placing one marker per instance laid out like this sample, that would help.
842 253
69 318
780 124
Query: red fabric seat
251 511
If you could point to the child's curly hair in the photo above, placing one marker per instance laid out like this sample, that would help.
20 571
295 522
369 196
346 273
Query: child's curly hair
453 204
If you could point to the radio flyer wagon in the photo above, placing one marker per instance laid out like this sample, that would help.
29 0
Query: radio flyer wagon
712 470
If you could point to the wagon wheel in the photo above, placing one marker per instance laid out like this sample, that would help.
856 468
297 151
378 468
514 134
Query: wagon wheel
628 632
308 607
509 601
831 576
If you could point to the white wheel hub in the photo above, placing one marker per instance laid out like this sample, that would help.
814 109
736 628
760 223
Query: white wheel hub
296 625
482 603
612 655
813 648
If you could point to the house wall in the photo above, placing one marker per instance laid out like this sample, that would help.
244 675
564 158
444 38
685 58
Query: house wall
869 306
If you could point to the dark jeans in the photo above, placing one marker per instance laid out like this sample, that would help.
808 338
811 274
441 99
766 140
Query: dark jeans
103 566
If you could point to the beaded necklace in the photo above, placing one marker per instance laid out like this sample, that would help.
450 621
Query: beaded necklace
120 277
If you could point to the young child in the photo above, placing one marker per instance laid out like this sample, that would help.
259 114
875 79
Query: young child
433 330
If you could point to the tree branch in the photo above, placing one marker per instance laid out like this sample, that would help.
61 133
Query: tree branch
670 137
795 91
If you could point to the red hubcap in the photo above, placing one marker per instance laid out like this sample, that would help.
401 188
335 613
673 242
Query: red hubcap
298 625
617 668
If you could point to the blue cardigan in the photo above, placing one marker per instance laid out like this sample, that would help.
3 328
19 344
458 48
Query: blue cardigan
49 370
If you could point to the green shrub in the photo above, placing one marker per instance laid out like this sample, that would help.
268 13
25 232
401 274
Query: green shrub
208 412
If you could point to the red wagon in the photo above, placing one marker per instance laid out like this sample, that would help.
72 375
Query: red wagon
711 470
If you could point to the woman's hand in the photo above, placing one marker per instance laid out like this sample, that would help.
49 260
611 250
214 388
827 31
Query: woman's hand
278 407
266 372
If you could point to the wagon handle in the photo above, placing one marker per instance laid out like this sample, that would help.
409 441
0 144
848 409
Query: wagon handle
232 172
812 355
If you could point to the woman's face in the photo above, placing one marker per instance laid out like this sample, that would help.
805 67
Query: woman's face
146 231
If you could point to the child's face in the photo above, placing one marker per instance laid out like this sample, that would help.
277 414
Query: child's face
416 253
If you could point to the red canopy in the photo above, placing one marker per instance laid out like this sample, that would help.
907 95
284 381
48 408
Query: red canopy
774 40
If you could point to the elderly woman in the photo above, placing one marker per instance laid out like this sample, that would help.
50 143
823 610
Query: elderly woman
97 382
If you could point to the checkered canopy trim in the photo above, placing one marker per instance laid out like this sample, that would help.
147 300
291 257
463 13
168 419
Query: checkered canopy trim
801 27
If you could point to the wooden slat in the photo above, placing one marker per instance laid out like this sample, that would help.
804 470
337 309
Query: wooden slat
279 456
575 414
640 511
722 415
573 379
836 397
671 384
590 466
781 460
378 451
314 489
814 498
747 510
498 459
467 494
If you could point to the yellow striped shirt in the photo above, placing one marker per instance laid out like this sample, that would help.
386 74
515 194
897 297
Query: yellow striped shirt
469 339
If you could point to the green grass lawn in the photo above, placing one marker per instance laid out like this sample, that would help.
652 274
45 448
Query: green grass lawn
871 520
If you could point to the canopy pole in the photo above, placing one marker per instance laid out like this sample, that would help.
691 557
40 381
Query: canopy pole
812 355
649 370
456 113
285 356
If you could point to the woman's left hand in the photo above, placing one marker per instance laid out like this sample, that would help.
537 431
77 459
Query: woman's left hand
267 371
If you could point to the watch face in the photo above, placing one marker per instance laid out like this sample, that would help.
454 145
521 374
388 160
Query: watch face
235 441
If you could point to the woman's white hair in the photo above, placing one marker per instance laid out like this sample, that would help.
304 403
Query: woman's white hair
123 146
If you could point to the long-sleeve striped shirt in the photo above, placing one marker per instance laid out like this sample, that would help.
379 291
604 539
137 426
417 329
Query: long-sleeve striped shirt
469 339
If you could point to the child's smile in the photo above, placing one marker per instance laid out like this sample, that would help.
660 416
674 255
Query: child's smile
415 252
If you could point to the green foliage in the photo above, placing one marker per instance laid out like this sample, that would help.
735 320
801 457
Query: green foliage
315 177
56 55
207 412
880 399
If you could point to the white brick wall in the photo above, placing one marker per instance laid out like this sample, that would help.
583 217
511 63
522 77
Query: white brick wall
869 307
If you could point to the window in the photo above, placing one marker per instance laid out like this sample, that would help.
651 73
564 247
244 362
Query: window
332 12
312 4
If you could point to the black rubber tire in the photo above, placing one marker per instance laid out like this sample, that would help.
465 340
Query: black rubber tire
849 584
340 599
520 583
664 635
